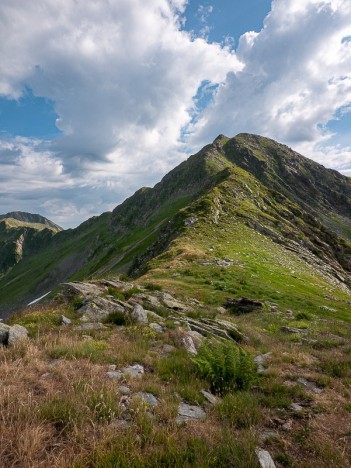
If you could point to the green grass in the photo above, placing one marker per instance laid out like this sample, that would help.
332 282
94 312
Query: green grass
89 349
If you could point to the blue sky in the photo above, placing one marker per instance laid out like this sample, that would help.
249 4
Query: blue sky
100 98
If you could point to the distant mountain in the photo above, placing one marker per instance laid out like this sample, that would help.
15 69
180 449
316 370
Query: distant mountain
235 191
31 218
23 234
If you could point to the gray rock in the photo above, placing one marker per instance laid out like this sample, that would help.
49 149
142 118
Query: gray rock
209 397
139 314
189 413
112 367
156 327
188 344
259 360
124 390
83 289
299 331
119 424
98 308
17 333
170 302
264 458
167 348
296 407
4 333
114 375
309 341
65 320
152 301
191 221
135 371
118 284
147 398
328 308
221 310
308 385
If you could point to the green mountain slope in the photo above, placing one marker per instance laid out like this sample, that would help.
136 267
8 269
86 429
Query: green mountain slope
242 196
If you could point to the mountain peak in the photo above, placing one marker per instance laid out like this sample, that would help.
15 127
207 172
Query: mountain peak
31 218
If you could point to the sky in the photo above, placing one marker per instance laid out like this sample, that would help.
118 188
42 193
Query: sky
101 97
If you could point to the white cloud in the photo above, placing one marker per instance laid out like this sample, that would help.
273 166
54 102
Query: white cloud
297 74
122 75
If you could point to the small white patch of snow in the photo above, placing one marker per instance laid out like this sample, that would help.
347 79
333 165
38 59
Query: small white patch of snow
39 299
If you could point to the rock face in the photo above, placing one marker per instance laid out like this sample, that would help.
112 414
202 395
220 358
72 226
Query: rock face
98 308
86 290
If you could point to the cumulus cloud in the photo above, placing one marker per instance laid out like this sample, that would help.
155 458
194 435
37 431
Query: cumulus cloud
297 75
122 75
128 82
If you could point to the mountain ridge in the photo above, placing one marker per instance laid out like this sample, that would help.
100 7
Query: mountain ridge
32 219
283 195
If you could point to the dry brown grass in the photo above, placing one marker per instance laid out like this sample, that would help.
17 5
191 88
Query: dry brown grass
56 402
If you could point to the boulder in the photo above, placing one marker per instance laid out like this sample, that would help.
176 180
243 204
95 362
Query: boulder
170 302
156 327
147 398
98 309
188 344
17 333
65 320
259 360
4 333
86 290
189 413
138 314
209 397
264 458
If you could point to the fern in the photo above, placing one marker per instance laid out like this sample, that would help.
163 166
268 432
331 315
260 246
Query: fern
226 366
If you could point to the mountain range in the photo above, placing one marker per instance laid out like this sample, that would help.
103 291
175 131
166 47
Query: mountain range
203 322
241 187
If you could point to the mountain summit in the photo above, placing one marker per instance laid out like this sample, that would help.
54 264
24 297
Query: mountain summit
233 190
31 218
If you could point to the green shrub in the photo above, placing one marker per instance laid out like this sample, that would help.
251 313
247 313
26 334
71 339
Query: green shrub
128 294
303 316
117 293
77 302
226 366
119 318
